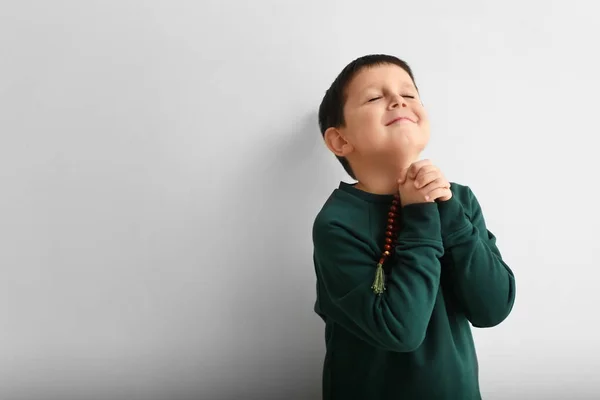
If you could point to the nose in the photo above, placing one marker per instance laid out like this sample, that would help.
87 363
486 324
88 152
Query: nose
397 101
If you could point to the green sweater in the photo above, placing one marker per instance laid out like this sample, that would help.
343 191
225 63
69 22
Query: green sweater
413 341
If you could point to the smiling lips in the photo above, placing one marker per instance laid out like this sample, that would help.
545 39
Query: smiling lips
400 119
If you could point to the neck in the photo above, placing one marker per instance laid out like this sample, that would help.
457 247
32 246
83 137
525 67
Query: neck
383 182
379 186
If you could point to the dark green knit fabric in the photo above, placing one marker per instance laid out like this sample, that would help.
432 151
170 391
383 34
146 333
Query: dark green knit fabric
413 341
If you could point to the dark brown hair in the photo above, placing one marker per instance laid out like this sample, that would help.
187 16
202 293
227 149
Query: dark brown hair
331 110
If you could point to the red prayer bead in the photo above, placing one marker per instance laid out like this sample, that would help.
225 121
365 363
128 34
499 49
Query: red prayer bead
391 230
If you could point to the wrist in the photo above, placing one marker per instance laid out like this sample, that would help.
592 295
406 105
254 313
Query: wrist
453 217
421 220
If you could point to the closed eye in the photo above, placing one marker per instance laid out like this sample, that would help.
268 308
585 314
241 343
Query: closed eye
379 97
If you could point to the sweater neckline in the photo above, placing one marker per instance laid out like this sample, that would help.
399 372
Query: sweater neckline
351 188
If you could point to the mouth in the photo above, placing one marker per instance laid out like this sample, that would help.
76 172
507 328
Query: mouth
400 120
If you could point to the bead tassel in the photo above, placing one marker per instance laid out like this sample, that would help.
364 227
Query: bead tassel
391 230
379 283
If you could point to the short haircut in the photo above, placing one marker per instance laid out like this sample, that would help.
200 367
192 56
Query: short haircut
331 110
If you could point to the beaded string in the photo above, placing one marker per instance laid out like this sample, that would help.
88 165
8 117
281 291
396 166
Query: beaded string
390 242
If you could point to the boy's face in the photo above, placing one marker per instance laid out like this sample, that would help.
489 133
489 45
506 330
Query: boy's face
385 120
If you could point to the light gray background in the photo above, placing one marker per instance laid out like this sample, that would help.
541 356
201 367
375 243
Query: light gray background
160 169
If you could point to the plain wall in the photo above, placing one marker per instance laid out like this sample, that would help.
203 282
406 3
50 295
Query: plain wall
161 167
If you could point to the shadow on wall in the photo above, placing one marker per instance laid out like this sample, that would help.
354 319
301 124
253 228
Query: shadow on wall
274 292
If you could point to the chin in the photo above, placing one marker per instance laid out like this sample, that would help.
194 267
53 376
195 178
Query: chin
421 147
411 144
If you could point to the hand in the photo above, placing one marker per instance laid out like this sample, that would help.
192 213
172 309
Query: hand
423 182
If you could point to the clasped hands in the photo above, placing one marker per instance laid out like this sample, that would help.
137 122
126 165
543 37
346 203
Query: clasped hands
423 182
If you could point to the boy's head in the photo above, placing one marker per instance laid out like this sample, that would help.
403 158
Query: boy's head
372 117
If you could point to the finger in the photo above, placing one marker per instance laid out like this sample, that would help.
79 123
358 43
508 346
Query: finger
416 166
438 183
426 175
446 197
423 180
427 168
438 193
403 175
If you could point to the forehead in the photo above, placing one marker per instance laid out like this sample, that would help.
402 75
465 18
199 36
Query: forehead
378 76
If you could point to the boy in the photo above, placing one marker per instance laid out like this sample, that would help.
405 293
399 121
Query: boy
404 261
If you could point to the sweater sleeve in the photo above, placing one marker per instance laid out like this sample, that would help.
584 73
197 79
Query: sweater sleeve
397 319
483 282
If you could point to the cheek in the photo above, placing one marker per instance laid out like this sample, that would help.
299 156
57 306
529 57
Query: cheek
365 125
421 113
367 118
423 119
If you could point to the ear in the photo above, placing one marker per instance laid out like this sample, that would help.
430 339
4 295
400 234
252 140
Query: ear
337 143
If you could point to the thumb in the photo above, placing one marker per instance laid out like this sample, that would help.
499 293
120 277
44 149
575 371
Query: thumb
403 174
413 172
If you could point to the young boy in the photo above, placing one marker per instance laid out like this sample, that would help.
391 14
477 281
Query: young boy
404 261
